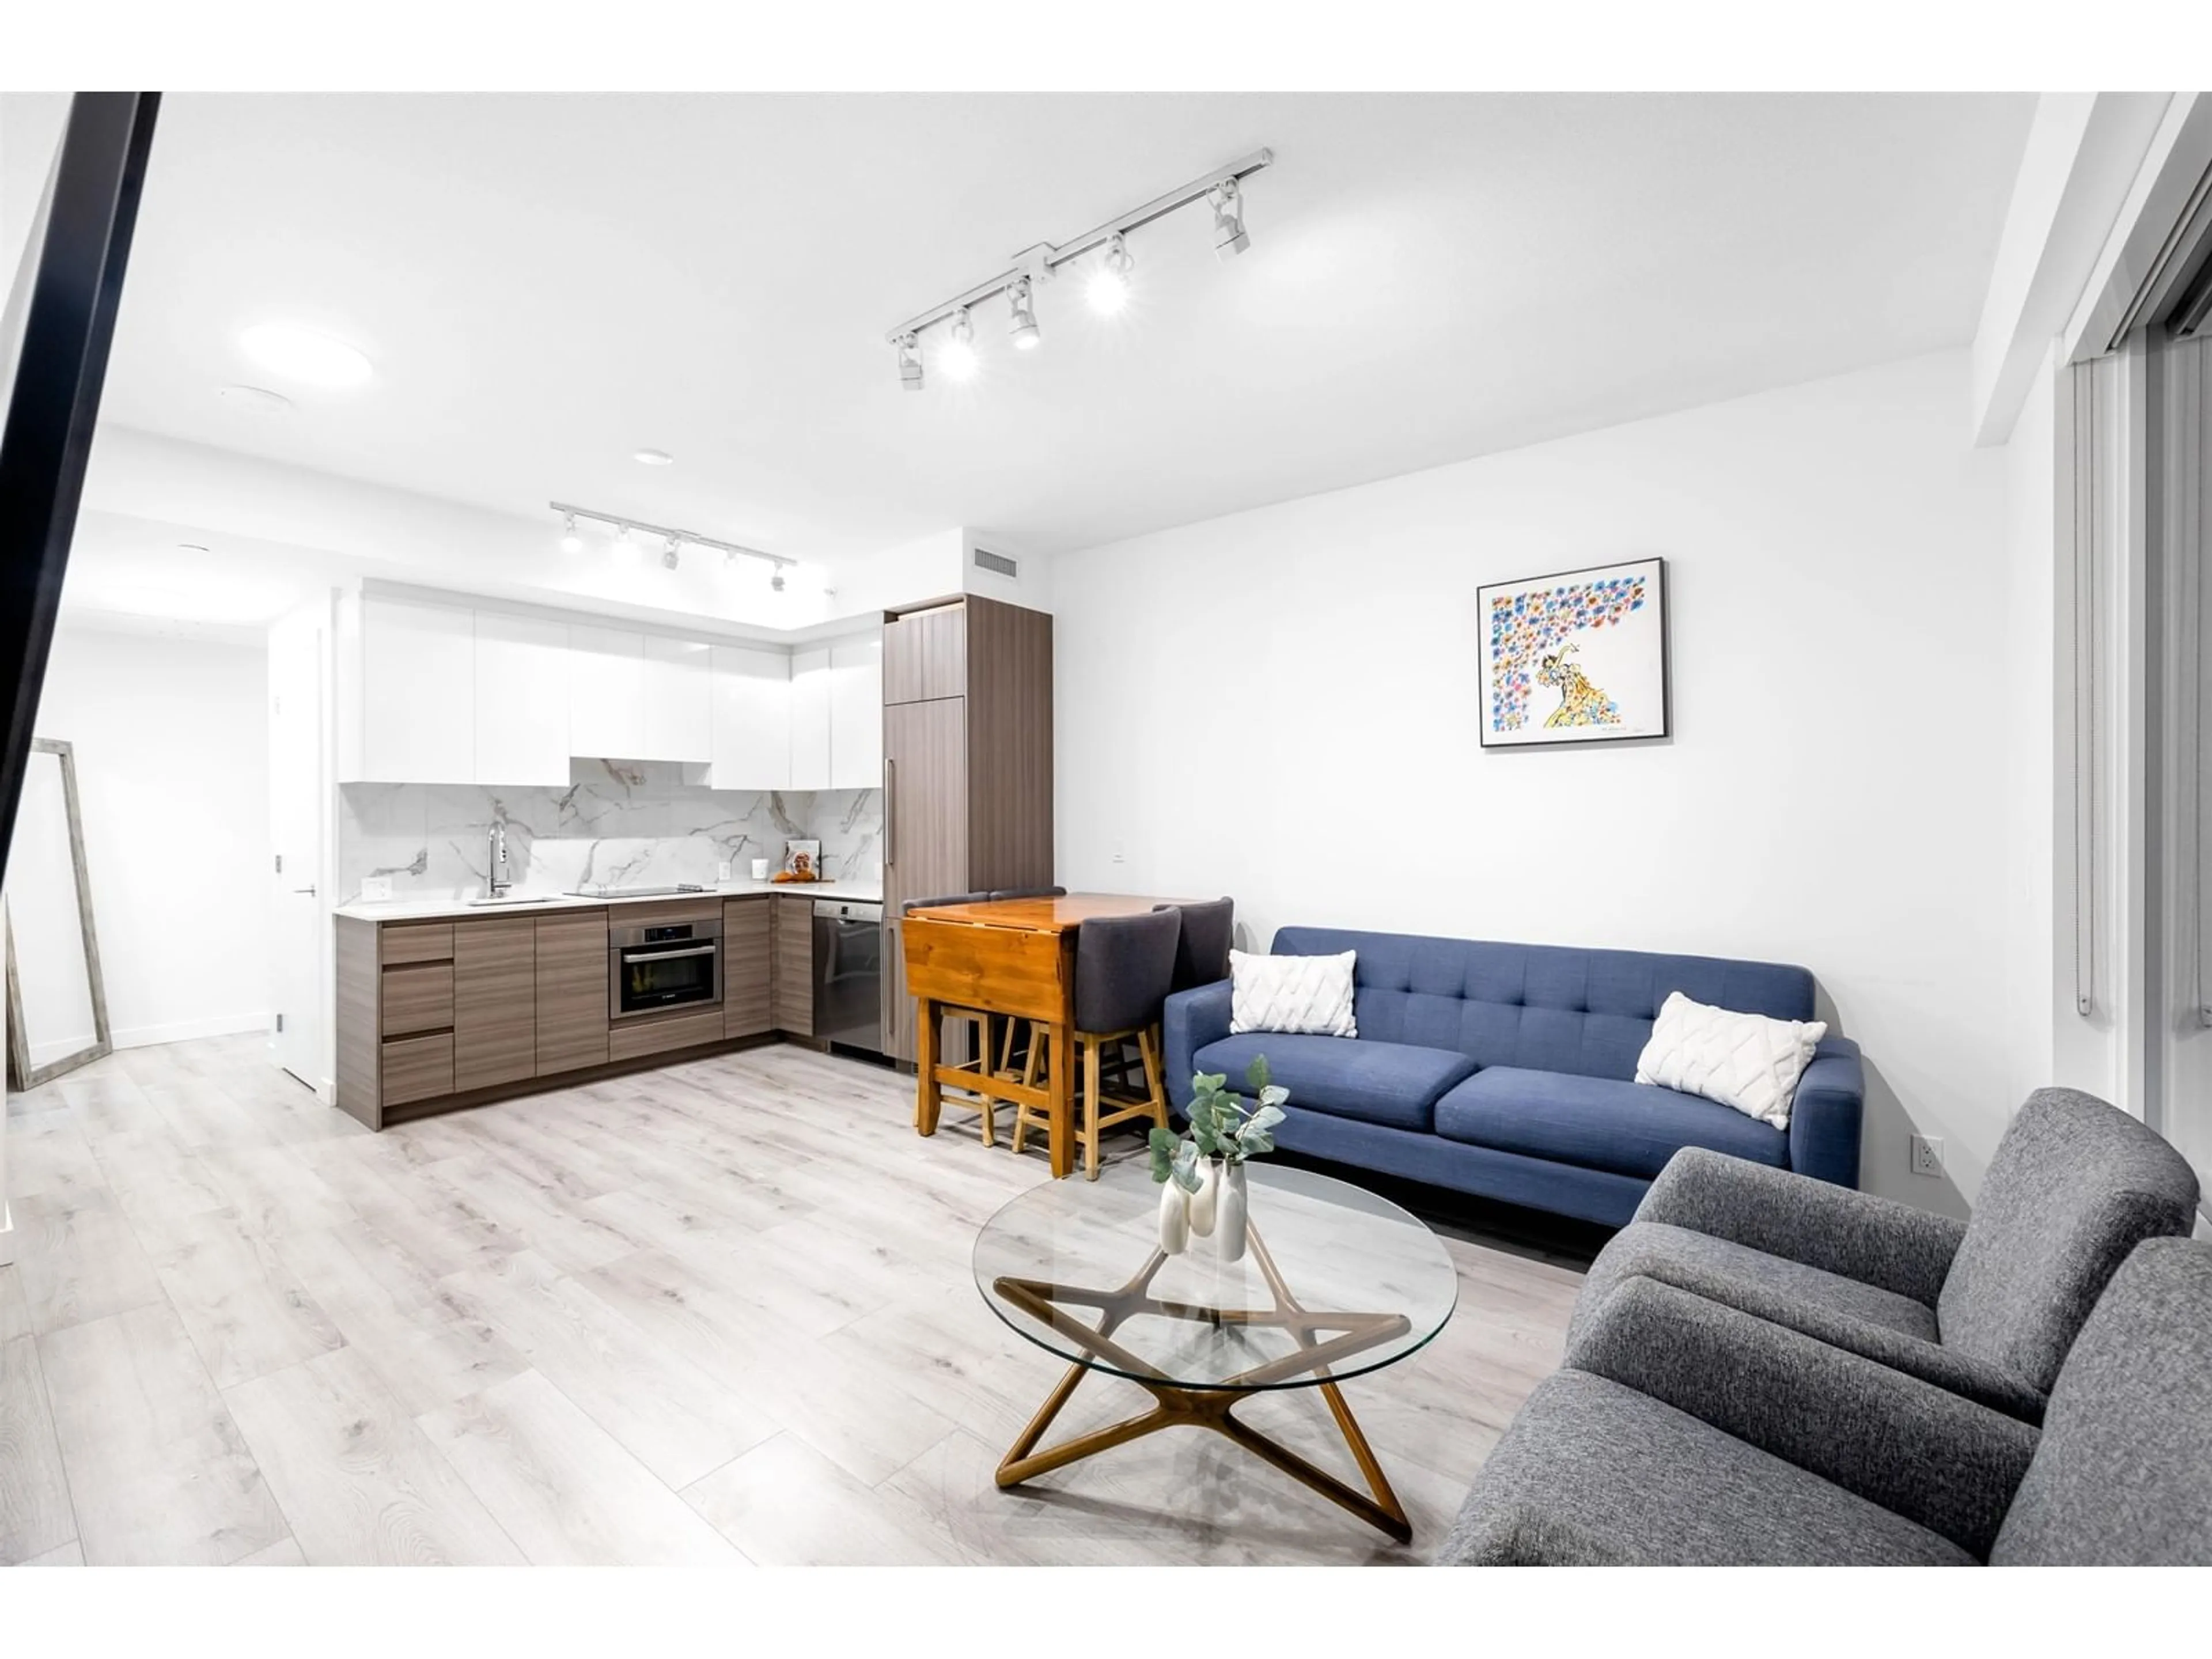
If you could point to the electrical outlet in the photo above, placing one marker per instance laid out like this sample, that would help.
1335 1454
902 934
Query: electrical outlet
374 889
722 871
1926 1155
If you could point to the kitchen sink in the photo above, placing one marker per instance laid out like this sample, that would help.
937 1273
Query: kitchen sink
505 899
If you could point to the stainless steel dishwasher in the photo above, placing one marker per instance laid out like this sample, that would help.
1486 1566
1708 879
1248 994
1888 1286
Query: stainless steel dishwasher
849 975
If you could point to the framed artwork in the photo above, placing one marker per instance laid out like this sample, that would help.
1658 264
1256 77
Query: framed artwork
1579 657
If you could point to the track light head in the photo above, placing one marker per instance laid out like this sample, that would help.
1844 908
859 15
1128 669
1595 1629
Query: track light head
570 541
776 582
671 555
909 361
958 358
1229 237
1022 327
1108 289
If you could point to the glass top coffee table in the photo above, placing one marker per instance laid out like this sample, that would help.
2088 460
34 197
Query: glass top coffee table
1334 1282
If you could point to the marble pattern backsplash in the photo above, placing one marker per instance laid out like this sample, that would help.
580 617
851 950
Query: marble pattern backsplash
618 822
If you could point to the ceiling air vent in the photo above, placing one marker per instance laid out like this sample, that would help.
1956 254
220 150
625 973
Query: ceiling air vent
997 564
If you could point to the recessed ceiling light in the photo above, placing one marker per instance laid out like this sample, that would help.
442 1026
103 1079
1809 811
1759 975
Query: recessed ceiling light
257 399
300 354
653 457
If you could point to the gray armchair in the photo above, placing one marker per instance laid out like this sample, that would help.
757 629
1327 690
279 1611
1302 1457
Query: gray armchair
1985 1309
1664 1442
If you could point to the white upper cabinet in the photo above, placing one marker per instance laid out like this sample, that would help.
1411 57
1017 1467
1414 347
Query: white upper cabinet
417 694
856 713
752 719
679 700
606 693
521 700
809 718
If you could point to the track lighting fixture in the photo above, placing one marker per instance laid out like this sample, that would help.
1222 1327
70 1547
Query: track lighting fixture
1022 327
776 582
1107 289
1229 237
673 540
957 359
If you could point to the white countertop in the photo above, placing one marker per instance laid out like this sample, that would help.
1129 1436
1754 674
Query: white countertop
429 909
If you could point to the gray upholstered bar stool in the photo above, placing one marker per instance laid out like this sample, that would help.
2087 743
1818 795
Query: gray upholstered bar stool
1202 952
975 1016
1123 967
1026 1028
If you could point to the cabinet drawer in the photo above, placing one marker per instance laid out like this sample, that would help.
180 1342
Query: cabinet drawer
658 1035
422 941
418 1068
418 998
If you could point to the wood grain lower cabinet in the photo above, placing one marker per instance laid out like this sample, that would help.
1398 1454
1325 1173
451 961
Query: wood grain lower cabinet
495 1001
748 967
898 1006
417 998
418 1068
792 929
661 1034
571 965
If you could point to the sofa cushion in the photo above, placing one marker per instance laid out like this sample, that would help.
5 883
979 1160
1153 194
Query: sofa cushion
1593 1474
1630 1128
1548 1007
1770 1286
1388 1083
2075 1185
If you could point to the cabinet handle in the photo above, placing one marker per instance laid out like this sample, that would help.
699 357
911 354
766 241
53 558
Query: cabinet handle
891 815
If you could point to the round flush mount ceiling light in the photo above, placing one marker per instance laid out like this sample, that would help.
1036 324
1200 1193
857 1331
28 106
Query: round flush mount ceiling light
302 355
254 399
653 457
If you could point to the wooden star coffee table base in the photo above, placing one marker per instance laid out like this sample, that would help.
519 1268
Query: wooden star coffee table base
1324 1339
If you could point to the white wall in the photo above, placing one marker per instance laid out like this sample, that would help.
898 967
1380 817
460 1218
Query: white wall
1281 705
2030 625
172 748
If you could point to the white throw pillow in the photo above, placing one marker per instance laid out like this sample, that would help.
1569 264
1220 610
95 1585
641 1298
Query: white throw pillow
1745 1060
1309 995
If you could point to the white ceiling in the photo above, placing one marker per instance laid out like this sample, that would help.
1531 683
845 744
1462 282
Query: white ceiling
547 282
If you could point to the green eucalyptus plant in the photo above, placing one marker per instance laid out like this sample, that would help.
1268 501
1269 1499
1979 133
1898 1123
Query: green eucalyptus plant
1223 1125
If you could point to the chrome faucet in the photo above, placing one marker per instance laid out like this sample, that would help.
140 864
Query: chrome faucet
498 881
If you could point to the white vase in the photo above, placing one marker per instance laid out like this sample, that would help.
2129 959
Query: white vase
1203 1201
1232 1215
1175 1218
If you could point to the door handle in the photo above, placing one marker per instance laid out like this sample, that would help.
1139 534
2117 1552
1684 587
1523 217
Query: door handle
309 892
891 815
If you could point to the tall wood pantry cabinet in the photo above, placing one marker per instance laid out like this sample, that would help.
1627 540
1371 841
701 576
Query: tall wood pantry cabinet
967 766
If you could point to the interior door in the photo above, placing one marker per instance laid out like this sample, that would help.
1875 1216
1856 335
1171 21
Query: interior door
300 966
925 830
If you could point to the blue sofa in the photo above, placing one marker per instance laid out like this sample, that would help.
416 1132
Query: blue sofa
1508 1071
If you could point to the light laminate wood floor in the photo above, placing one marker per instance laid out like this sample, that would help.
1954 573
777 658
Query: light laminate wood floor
720 1313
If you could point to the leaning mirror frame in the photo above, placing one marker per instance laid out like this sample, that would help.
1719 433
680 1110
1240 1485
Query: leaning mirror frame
21 1074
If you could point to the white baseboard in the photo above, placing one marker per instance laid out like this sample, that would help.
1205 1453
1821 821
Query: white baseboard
184 1030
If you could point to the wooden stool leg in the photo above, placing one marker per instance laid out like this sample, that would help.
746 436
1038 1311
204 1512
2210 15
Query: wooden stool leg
1061 1074
1155 1089
929 1099
983 1069
1092 1109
